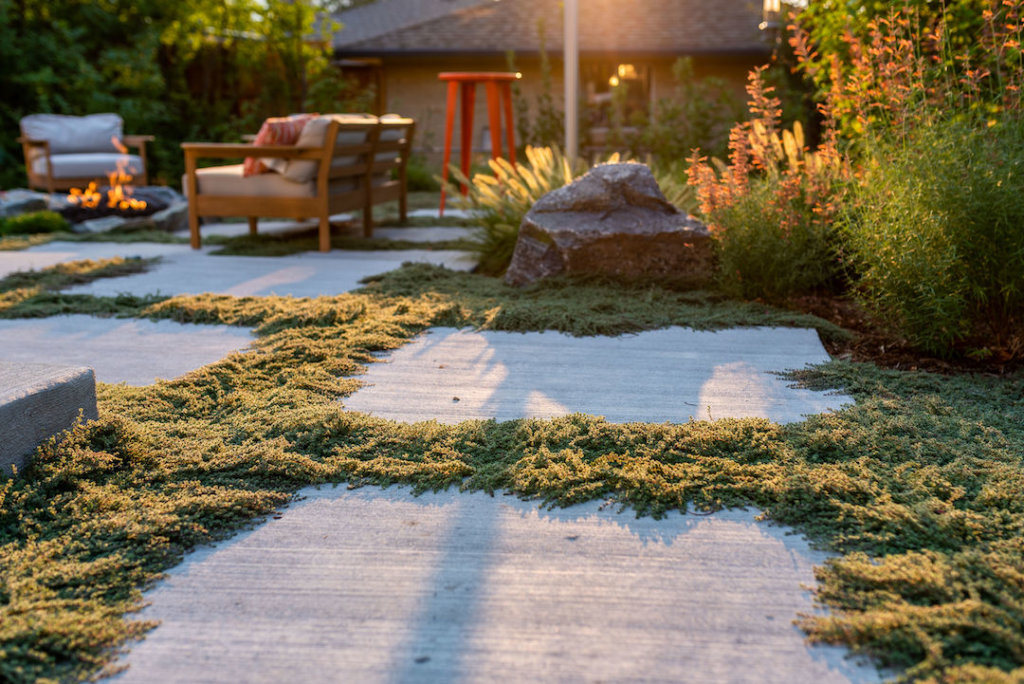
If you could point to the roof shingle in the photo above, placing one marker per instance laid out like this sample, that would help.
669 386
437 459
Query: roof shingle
620 26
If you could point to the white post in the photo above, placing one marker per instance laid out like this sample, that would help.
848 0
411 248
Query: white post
571 62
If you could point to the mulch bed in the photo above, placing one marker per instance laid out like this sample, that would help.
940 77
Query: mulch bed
872 342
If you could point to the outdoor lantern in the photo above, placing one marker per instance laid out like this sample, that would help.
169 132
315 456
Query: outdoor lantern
771 15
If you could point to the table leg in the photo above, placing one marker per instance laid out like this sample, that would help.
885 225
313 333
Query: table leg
468 104
494 118
453 91
510 126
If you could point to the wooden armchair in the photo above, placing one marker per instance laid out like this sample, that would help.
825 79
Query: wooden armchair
340 163
64 152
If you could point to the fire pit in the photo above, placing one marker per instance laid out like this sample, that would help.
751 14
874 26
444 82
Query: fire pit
121 205
97 202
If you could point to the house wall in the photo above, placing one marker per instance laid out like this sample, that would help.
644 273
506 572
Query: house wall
412 88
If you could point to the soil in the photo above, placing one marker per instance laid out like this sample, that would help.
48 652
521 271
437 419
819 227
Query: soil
873 342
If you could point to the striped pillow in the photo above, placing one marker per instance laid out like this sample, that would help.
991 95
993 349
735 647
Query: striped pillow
283 130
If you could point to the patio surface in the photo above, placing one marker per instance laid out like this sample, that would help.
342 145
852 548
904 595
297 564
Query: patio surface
377 585
134 351
187 271
657 376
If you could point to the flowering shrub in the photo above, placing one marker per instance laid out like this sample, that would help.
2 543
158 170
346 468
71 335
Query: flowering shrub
911 197
772 208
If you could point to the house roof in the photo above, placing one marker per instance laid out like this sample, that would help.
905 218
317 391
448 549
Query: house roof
495 26
388 16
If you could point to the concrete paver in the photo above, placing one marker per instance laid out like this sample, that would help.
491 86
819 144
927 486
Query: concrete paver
433 234
310 274
655 376
376 585
54 253
134 351
449 212
266 226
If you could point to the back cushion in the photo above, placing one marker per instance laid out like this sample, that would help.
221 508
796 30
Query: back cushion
303 170
69 134
284 130
390 135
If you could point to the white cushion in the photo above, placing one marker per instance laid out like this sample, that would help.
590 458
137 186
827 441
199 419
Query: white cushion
303 170
87 165
74 133
228 181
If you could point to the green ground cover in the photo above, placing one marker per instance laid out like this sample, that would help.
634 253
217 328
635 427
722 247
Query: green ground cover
916 487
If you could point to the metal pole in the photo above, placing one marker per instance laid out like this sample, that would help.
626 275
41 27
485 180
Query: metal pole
571 62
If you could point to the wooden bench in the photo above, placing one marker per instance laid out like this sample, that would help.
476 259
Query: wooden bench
341 163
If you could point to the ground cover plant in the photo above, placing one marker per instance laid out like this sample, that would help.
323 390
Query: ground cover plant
916 486
32 223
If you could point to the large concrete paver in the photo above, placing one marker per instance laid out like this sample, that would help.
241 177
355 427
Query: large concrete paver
183 270
53 253
655 376
134 351
434 234
376 585
303 275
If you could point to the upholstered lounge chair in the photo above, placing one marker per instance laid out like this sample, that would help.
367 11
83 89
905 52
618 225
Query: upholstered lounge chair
63 152
341 162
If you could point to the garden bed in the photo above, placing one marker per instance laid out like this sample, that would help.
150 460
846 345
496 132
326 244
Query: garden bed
916 486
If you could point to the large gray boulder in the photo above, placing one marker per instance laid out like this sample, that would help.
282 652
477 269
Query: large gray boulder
20 201
614 221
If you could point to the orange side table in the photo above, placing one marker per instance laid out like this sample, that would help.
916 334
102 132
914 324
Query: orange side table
499 86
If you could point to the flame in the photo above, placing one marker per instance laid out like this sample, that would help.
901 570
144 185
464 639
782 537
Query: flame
119 196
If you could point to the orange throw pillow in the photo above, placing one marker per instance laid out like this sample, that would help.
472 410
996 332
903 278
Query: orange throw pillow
282 130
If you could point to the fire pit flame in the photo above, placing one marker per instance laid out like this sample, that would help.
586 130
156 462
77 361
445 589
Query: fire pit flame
119 196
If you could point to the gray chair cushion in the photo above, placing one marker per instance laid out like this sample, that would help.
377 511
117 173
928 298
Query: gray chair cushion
68 134
83 165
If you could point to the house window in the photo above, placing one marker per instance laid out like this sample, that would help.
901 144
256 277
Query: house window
609 85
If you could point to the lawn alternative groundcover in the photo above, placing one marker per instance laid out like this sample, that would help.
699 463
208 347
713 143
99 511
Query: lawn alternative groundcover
918 486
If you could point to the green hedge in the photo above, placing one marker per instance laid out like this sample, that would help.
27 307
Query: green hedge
937 235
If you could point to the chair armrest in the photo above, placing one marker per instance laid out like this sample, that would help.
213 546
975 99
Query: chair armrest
137 139
34 143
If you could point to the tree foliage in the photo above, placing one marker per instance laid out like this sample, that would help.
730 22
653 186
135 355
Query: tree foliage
197 70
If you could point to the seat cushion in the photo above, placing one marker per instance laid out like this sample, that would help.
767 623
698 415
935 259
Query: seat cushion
228 181
87 165
68 134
